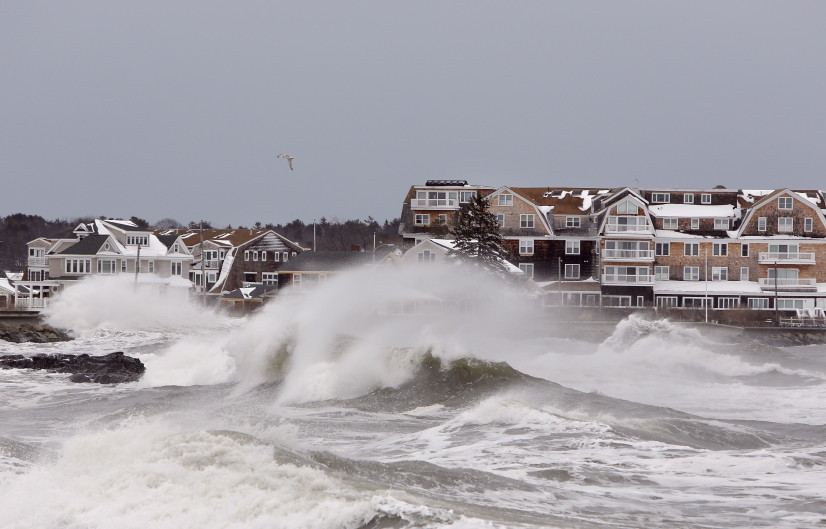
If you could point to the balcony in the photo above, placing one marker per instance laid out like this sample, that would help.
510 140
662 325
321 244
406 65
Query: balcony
37 261
434 203
611 254
211 263
786 258
624 279
795 284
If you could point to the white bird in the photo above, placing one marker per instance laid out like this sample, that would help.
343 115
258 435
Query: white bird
288 158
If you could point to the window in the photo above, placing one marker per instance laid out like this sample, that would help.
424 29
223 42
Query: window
285 256
276 256
466 196
246 255
744 250
789 304
297 280
728 303
691 273
695 303
527 269
661 273
695 224
784 203
177 267
785 224
426 256
123 266
721 224
106 266
744 273
135 240
500 219
526 220
627 274
620 224
627 208
269 278
442 219
808 224
78 266
640 301
719 273
422 219
212 277
688 198
705 198
506 199
669 224
660 198
571 271
692 248
255 255
665 302
149 267
572 222
662 248
627 250
526 247
571 247
263 255
616 301
720 249
761 224
758 303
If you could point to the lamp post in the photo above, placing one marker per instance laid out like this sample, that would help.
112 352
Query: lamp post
705 302
776 313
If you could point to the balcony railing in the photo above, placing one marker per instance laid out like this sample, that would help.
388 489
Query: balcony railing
627 255
31 303
434 203
623 279
211 263
37 261
788 283
787 257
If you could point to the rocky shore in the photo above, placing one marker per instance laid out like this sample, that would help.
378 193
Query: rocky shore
32 332
107 369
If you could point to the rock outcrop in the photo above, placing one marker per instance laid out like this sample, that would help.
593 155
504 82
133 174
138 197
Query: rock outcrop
108 369
32 332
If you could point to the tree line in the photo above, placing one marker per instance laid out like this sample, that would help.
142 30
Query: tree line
330 235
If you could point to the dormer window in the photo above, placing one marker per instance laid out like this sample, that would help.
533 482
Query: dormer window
705 198
661 198
627 208
688 198
135 240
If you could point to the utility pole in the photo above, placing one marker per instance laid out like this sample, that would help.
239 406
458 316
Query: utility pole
203 273
138 264
559 277
313 234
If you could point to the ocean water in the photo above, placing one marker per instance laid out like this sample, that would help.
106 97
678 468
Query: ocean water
425 398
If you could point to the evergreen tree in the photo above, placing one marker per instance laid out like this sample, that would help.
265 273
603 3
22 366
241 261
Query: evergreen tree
477 236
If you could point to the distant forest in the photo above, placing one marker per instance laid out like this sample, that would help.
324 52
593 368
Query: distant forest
331 235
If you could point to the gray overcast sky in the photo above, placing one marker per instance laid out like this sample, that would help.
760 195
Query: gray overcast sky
178 109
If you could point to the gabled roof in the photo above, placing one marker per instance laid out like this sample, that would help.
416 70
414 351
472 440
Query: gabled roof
125 225
325 261
564 200
89 245
192 237
775 194
167 240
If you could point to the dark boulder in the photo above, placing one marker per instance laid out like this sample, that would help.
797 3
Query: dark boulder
32 332
107 369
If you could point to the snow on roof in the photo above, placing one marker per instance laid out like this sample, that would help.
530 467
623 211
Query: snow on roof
586 201
545 209
750 195
450 244
714 287
6 285
694 210
813 199
671 234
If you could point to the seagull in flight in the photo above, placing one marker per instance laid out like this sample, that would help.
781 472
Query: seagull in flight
288 158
